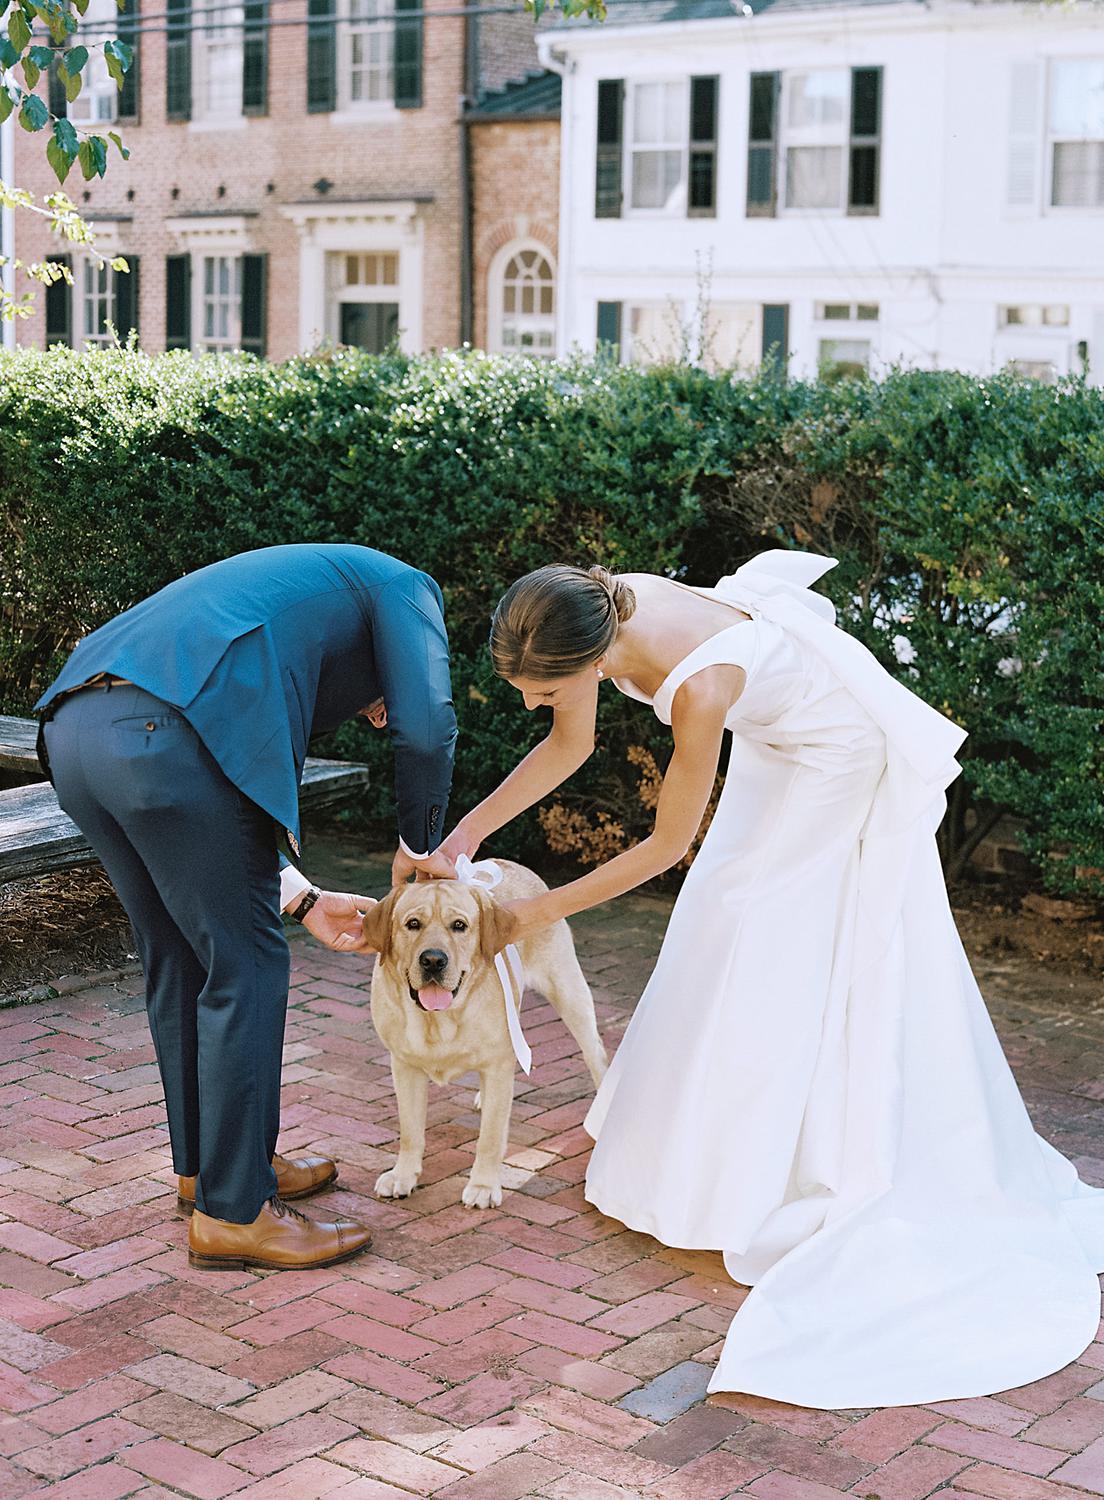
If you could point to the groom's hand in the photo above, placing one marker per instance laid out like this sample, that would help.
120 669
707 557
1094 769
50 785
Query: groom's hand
335 920
435 866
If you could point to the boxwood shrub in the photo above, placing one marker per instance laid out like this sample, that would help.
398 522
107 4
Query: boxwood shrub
967 514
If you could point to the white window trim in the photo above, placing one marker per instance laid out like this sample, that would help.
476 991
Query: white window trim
201 119
1063 210
678 209
227 234
391 224
356 111
798 137
496 276
198 298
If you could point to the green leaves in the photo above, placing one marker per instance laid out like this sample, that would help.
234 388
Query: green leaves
34 114
118 56
116 139
61 152
595 9
19 30
7 104
92 156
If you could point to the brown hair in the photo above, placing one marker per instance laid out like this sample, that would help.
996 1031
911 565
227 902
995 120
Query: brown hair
557 621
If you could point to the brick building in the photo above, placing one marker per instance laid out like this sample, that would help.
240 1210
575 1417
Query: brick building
318 170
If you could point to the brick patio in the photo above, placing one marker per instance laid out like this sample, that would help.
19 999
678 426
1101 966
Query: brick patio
535 1350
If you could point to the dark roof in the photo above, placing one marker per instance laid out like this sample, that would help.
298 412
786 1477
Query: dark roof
653 12
533 97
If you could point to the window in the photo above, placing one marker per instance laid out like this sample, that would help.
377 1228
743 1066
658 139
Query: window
219 47
840 357
1075 118
836 312
659 136
216 295
1034 315
97 304
220 326
814 141
1036 369
364 298
79 314
658 131
652 333
526 289
366 42
98 101
840 352
814 126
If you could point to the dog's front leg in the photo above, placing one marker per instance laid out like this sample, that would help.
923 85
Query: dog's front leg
484 1188
412 1091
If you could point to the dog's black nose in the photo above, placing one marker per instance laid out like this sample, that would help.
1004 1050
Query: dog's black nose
433 961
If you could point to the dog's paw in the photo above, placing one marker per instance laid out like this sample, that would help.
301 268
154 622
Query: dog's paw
482 1194
396 1184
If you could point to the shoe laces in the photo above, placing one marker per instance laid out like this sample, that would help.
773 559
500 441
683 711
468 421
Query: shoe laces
284 1210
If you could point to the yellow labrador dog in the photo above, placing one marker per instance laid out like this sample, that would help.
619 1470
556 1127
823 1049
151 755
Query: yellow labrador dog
438 1005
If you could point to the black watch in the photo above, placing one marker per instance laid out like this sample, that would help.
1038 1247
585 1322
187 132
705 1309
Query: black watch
310 896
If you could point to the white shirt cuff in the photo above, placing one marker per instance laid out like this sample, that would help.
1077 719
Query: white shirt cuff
292 885
410 852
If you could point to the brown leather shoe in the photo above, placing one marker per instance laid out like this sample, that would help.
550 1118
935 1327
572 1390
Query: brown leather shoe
280 1238
296 1177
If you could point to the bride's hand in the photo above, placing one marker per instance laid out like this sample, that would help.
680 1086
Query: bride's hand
460 841
529 914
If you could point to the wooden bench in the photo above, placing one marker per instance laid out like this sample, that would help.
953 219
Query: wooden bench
36 836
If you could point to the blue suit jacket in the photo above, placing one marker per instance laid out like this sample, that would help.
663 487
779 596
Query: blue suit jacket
262 650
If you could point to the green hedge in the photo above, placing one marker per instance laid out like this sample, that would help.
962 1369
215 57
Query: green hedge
968 515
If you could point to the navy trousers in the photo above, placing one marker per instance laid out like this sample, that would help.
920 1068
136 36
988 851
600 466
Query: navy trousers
194 863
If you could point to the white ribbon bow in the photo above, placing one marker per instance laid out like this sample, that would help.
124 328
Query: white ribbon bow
485 873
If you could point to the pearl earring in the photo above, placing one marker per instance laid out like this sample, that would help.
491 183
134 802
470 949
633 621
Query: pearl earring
600 672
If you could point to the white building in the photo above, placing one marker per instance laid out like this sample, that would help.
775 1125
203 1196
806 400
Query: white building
857 184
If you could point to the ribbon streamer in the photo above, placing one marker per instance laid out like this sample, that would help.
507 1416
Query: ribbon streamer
485 873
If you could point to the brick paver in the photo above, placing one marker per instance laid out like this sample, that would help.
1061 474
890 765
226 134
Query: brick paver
534 1350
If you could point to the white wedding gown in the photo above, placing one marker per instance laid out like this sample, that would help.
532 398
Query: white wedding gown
811 1082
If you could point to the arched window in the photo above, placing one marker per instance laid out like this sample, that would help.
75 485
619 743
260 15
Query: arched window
522 301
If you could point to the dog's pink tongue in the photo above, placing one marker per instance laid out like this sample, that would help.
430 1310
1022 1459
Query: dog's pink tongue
435 997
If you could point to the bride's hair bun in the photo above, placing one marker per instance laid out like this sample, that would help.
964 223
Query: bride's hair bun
624 600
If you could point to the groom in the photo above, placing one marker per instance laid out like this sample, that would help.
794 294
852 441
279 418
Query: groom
175 737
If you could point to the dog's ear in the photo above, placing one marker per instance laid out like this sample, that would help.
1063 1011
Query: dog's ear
377 922
496 927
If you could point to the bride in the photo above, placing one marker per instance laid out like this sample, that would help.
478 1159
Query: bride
810 1082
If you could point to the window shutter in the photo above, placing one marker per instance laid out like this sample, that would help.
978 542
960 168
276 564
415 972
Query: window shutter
126 299
178 302
1025 129
776 335
866 141
178 59
321 57
58 104
254 285
762 168
126 29
408 54
255 58
608 166
701 199
609 325
59 307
